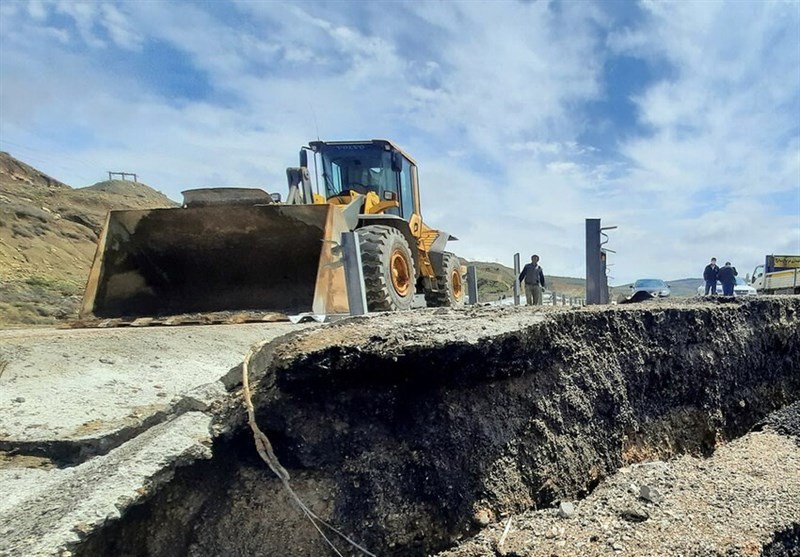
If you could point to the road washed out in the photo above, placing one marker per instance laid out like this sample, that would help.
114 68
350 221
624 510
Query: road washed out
486 431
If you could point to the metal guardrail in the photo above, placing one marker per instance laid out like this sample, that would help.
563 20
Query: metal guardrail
557 299
548 298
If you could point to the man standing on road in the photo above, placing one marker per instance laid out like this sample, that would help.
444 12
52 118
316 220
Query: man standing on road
727 276
710 276
533 276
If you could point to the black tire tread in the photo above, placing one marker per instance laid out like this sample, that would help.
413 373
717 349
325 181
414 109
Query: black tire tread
444 297
376 245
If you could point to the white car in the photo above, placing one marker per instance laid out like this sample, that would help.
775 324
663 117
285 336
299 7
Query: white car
741 288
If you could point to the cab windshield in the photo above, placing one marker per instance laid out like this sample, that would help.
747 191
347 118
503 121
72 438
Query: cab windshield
360 168
365 168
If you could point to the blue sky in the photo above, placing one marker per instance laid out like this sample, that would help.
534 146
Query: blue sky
679 122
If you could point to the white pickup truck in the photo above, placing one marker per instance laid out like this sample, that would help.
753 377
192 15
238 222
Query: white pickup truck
780 274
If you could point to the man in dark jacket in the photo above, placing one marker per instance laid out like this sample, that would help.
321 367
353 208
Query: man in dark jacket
710 276
727 276
533 276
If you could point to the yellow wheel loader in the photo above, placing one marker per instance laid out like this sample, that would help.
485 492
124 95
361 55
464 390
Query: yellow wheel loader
229 249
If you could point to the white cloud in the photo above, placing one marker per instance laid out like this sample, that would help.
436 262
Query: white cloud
85 16
119 27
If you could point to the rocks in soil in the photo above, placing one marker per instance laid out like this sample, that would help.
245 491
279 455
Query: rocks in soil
650 494
566 510
634 514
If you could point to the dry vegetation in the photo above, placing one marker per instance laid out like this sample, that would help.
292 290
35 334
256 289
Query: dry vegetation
48 233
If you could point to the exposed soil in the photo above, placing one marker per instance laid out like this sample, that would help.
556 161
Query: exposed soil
411 432
48 235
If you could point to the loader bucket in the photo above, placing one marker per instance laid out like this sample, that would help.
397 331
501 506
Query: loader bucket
220 258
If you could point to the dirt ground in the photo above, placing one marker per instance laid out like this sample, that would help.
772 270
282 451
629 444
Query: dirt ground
486 431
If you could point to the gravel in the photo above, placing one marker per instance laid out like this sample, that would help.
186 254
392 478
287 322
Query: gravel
726 505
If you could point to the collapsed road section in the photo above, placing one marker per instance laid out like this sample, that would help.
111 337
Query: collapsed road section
412 432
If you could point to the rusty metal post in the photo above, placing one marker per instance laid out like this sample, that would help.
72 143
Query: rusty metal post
594 270
472 284
517 271
353 274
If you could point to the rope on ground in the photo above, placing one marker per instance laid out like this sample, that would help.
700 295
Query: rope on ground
3 365
264 448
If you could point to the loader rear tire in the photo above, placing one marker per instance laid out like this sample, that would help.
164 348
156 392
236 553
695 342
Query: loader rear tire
389 273
450 285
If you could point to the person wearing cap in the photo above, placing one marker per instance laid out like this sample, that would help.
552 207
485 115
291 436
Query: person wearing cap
710 276
727 276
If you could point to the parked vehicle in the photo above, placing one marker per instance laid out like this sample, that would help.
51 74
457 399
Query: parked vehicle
741 288
657 288
780 274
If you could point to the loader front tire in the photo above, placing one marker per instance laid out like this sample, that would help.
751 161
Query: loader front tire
389 273
450 285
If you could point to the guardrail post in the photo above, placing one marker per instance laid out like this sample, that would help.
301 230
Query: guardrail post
472 285
353 274
517 271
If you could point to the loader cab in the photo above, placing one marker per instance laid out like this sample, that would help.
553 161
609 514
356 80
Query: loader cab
368 166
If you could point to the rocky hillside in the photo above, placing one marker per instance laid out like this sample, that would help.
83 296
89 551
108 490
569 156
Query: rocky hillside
48 233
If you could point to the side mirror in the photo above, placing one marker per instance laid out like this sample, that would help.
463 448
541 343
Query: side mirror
397 161
303 158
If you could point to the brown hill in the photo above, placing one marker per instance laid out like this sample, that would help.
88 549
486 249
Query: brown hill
48 233
496 281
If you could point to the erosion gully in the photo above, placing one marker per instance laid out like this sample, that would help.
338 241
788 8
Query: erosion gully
409 432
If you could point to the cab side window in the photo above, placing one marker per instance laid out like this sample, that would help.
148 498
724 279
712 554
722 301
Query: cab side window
406 191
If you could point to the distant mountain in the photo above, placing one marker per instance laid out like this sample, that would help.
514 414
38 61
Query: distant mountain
496 280
684 288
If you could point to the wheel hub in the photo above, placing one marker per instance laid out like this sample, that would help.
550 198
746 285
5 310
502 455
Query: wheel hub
457 287
401 279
